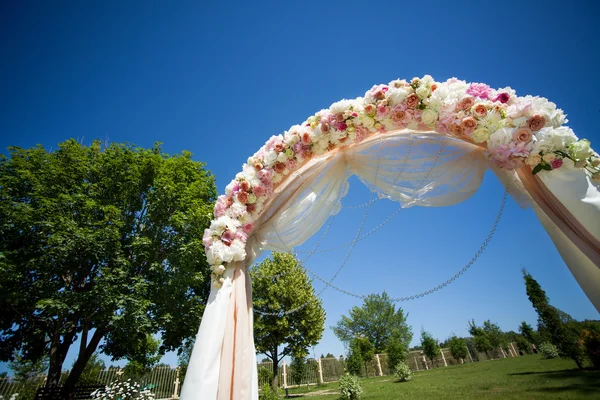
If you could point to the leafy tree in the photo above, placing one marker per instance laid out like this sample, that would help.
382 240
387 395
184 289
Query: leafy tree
354 362
458 348
280 284
104 244
495 335
377 320
396 353
299 368
183 359
523 344
92 370
431 348
26 370
366 350
480 338
559 325
528 333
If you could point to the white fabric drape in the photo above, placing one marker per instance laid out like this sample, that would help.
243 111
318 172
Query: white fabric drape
414 168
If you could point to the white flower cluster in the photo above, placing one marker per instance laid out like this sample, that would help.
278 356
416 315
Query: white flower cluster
123 391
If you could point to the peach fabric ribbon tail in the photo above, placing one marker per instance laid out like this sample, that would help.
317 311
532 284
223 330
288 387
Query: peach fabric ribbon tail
235 375
587 243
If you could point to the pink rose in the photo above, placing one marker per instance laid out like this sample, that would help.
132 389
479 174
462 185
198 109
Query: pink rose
341 126
248 227
382 111
207 239
324 126
227 237
536 122
480 90
361 133
397 115
221 206
259 191
412 101
502 98
522 135
306 138
556 163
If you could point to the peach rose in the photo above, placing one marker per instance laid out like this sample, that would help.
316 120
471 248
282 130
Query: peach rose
522 135
258 166
251 208
370 109
242 197
305 138
456 129
466 103
468 124
245 186
412 101
479 110
279 148
339 117
279 167
536 122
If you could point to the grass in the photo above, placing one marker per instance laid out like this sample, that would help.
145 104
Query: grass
527 377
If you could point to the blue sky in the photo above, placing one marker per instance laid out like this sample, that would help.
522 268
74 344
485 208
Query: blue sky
220 78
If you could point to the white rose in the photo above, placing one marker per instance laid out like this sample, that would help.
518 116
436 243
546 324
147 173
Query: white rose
423 91
276 178
397 95
533 160
340 106
435 103
429 117
282 157
549 157
367 121
270 157
581 149
500 137
519 122
550 139
480 135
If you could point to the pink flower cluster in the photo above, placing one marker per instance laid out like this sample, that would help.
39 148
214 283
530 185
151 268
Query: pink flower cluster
514 131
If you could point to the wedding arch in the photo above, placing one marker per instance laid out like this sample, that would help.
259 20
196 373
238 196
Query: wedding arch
420 143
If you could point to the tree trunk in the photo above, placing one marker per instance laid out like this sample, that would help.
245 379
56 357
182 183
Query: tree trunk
275 383
58 353
84 355
578 362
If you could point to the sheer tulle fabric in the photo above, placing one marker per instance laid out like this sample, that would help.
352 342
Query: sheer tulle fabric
414 168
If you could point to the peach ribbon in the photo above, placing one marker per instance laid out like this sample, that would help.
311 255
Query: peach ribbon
587 243
235 375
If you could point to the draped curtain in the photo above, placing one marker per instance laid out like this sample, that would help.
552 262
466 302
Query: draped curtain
425 169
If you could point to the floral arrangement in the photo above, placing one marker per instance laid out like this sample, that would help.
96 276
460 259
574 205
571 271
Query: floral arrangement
515 131
123 391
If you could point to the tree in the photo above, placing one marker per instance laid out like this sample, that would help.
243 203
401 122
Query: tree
362 346
559 325
396 353
104 244
298 368
480 338
458 348
378 321
528 333
184 355
497 338
92 371
280 284
354 362
431 348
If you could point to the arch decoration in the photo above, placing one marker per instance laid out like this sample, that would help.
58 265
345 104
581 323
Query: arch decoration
420 143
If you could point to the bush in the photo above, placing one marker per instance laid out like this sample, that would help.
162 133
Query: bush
402 373
548 350
123 391
591 342
265 376
269 394
350 387
354 363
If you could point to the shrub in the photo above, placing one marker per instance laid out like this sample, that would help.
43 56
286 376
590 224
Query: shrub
591 342
265 376
269 394
354 363
123 391
402 372
548 350
350 387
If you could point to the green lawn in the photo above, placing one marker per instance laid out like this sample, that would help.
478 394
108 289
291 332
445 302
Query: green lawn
527 377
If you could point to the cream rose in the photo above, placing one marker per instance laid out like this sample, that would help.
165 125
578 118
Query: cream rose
533 160
480 135
429 117
549 157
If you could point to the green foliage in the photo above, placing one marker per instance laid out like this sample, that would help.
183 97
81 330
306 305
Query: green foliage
548 350
268 393
350 387
24 369
298 369
183 359
378 321
354 362
396 353
294 332
402 372
431 347
103 242
127 390
458 347
590 336
529 334
523 344
560 327
265 376
92 370
488 337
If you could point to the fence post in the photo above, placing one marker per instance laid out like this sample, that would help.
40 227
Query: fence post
469 351
176 391
514 351
443 357
502 351
416 363
284 375
425 361
320 369
379 365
